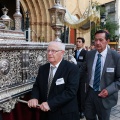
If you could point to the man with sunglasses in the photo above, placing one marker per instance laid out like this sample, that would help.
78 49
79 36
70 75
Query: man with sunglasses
56 86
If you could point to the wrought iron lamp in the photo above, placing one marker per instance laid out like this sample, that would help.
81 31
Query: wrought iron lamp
57 13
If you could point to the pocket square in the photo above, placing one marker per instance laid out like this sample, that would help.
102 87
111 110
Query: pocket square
60 81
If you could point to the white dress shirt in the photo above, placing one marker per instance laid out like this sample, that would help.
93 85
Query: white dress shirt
103 58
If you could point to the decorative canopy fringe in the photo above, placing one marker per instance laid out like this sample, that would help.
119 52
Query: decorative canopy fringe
90 16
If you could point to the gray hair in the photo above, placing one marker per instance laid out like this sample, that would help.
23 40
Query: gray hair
60 45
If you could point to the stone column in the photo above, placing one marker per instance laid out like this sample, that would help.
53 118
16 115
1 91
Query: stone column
17 16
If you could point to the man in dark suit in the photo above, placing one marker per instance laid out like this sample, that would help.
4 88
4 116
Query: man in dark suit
103 68
80 54
58 100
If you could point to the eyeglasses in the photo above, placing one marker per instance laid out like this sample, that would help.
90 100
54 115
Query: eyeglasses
53 51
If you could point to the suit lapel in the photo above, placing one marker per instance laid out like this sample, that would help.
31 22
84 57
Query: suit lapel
47 72
107 62
82 52
60 69
75 54
90 61
45 79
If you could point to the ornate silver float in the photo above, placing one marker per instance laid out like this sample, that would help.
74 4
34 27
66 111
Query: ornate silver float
19 63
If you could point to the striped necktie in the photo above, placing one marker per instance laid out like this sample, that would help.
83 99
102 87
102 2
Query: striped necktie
96 83
50 78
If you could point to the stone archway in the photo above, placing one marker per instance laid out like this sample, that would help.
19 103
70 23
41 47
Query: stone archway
39 18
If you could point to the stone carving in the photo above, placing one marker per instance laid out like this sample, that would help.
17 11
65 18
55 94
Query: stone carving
4 66
5 16
17 23
17 16
39 60
5 19
8 106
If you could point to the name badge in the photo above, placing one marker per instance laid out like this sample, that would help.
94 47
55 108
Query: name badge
110 70
81 57
60 81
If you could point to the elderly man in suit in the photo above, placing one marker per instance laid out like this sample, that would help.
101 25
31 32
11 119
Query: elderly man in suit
80 54
56 86
103 68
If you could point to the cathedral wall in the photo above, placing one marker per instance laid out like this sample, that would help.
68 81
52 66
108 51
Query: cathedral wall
40 18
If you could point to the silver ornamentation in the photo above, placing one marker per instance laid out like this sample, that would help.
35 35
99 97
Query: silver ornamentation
39 60
24 59
4 66
17 16
8 106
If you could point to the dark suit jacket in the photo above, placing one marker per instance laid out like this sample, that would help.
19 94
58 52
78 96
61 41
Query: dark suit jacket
62 98
109 80
81 58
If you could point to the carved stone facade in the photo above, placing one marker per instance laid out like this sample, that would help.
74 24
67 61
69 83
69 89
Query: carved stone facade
40 18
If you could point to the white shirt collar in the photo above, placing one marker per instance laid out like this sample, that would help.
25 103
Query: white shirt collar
57 65
80 49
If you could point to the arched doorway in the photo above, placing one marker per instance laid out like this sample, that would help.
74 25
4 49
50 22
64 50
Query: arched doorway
38 14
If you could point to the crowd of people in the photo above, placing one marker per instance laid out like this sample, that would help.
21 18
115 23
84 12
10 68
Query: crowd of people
65 91
92 47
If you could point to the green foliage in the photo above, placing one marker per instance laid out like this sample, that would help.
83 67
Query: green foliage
93 30
110 26
102 10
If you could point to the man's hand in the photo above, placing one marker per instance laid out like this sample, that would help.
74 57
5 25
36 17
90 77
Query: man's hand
44 107
103 93
33 103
